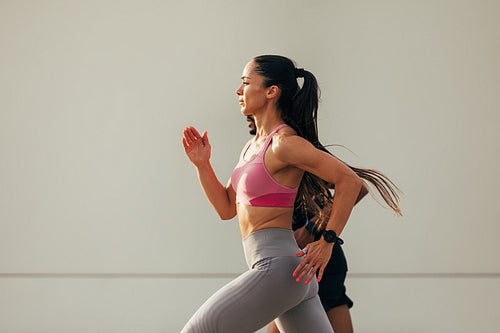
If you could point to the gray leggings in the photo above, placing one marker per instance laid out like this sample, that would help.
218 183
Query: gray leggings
265 292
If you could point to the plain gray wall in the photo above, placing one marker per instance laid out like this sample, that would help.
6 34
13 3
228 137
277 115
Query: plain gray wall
94 183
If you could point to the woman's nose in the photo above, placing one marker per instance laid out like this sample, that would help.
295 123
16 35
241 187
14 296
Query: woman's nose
238 91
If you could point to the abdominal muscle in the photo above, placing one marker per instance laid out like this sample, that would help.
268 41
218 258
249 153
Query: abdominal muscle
253 218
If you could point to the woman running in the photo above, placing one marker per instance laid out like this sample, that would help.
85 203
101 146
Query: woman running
332 290
284 161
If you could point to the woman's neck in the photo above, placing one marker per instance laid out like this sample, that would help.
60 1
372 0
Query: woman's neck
266 122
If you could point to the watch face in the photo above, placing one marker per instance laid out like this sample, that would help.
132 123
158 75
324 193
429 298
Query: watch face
329 236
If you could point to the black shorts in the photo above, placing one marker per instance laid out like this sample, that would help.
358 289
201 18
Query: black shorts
332 291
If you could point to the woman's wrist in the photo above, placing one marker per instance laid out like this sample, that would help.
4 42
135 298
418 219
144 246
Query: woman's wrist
331 237
203 165
323 242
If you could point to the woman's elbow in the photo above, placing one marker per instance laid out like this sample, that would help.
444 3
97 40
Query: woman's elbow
364 190
359 182
227 215
356 184
348 182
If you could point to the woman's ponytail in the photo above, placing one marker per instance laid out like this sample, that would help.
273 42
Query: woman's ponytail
303 114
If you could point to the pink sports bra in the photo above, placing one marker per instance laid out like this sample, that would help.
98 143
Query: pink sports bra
253 184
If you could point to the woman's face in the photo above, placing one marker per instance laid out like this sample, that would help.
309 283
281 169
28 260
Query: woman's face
251 93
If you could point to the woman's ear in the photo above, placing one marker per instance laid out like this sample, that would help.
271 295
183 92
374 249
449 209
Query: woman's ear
272 92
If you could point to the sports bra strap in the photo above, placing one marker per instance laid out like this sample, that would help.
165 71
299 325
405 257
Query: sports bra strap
269 138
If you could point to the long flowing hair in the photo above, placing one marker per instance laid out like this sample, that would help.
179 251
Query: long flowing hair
298 107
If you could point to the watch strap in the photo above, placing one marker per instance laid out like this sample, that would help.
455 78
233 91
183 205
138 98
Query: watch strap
336 239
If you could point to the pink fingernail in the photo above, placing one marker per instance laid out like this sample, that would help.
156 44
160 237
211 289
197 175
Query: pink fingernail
306 282
294 274
298 280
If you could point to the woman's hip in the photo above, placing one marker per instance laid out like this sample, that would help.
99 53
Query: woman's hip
268 243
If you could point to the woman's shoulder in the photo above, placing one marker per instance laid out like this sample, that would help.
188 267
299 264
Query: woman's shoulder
286 143
286 136
285 133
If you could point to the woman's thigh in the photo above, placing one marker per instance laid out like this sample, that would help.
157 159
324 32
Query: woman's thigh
308 316
252 300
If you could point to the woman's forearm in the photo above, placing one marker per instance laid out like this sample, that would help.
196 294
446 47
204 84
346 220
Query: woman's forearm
215 192
346 194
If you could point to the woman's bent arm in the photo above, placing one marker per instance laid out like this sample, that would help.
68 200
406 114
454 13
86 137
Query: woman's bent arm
198 150
362 193
296 151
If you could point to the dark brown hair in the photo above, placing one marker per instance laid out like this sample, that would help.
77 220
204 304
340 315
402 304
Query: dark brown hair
298 107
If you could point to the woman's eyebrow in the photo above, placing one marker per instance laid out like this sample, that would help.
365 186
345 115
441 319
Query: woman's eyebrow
245 77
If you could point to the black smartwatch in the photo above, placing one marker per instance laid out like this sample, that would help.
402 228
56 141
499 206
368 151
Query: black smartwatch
331 237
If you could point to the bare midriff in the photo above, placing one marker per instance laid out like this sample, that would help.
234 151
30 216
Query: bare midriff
253 218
